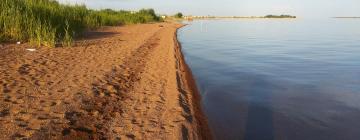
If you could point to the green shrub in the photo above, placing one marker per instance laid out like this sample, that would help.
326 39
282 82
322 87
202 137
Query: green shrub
281 16
46 22
178 15
111 17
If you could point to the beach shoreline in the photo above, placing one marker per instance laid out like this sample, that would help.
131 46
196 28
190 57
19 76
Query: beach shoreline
127 82
187 76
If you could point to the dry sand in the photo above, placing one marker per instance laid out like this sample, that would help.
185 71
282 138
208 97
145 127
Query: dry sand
128 82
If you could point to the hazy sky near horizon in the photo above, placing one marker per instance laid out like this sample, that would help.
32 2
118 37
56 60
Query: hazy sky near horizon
302 8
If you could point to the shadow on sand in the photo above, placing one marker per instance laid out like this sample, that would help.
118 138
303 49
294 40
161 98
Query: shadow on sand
92 35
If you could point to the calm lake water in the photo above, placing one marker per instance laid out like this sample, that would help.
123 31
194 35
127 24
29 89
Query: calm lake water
277 79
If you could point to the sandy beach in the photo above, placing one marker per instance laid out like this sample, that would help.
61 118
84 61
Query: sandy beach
127 82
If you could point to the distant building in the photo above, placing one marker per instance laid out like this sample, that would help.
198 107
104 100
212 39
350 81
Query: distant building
190 18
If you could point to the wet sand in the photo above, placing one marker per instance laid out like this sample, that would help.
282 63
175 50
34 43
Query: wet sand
128 82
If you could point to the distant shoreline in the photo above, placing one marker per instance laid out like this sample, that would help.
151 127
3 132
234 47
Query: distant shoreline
241 17
233 18
346 17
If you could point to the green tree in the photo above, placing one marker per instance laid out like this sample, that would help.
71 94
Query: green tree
178 15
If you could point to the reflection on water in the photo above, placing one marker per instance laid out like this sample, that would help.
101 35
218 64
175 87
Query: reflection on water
277 79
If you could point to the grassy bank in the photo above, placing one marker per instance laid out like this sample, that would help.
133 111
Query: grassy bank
46 22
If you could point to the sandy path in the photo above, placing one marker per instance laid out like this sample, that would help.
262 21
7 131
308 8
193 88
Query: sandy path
121 82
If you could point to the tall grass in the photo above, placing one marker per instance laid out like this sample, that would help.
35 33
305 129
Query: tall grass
46 22
111 17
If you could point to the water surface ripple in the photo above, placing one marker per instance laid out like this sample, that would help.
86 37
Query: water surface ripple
268 79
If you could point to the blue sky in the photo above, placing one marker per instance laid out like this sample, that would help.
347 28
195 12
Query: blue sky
302 8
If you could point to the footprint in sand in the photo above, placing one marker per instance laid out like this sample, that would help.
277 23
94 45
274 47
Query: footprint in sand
4 112
21 123
18 101
6 90
9 98
40 83
18 136
24 69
